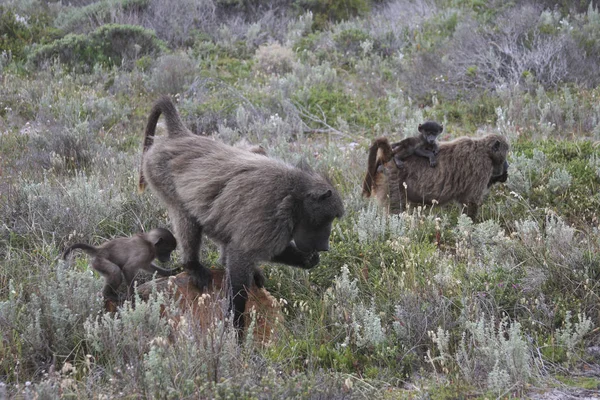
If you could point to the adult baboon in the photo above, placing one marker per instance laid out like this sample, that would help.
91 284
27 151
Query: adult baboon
466 168
424 144
126 256
258 208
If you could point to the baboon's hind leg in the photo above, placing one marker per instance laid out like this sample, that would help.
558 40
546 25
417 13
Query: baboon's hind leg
189 238
395 194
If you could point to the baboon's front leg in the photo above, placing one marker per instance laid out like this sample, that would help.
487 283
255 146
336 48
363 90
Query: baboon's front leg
241 269
472 211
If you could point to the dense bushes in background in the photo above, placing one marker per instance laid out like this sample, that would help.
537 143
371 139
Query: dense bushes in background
109 45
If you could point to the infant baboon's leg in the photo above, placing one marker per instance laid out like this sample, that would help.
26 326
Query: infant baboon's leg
296 258
112 277
189 238
399 162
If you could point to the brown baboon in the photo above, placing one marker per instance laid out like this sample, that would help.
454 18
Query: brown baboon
258 208
127 255
423 145
466 169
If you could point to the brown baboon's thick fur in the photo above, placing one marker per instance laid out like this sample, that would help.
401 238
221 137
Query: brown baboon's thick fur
465 168
256 207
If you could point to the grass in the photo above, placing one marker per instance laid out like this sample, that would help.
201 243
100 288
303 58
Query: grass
426 303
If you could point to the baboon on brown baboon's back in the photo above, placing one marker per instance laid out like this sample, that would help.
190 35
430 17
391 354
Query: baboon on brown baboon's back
466 168
258 208
424 144
126 256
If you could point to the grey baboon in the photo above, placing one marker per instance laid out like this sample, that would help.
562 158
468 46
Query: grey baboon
466 169
126 256
424 144
256 207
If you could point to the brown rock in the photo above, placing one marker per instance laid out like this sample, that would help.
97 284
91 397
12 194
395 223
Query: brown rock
209 306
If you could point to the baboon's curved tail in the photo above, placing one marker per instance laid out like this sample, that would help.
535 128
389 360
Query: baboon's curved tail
375 160
163 105
91 250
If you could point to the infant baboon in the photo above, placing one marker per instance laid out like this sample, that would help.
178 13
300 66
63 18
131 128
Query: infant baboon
423 145
126 256
466 169
256 207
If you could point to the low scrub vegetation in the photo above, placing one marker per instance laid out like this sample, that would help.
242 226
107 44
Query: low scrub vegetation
427 303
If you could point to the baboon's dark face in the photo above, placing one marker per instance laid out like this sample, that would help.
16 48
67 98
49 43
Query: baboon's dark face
309 239
312 231
500 172
430 131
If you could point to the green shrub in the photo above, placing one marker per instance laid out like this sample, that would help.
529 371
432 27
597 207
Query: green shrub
334 10
172 74
17 32
83 19
274 59
349 41
108 45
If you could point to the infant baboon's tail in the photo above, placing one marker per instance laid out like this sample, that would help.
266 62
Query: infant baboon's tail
163 105
375 160
91 250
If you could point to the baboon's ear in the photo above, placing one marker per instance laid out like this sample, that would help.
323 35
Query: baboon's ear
420 127
325 195
496 145
441 128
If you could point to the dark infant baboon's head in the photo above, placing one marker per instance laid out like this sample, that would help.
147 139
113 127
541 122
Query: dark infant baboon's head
430 130
164 243
319 208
